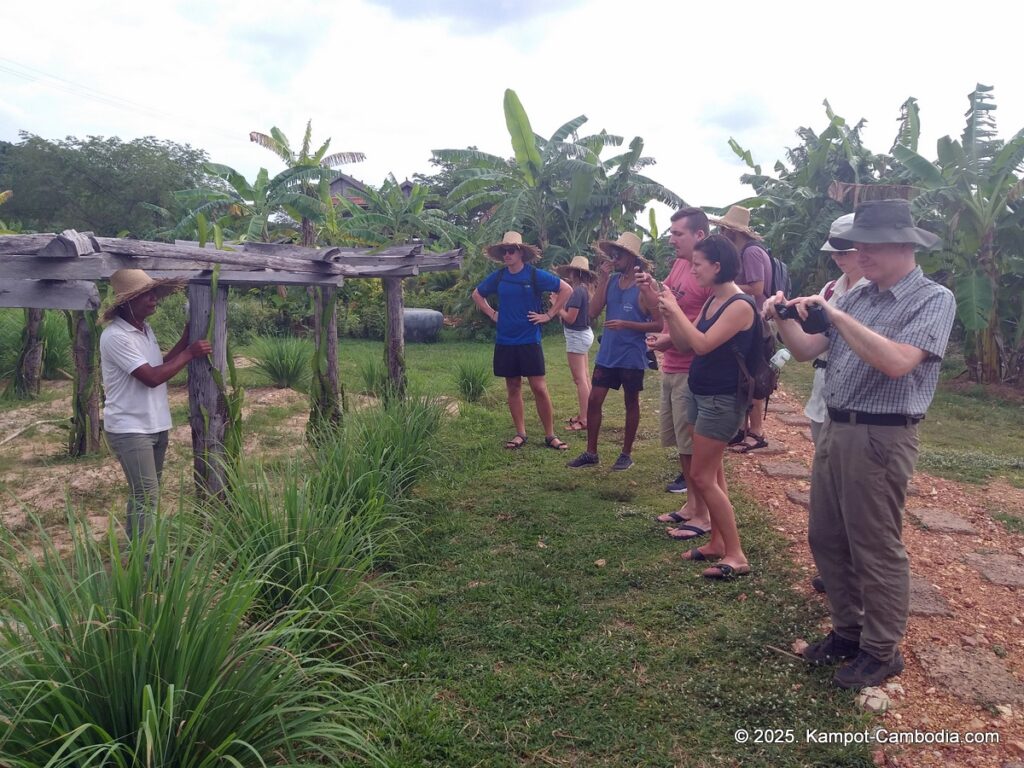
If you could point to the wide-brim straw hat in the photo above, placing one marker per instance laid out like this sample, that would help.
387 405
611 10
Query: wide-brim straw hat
738 219
529 252
132 283
837 241
580 265
627 242
889 221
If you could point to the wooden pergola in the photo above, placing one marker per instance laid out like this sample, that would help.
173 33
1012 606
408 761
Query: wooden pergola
50 271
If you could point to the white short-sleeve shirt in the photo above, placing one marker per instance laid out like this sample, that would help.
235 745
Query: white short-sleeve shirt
130 405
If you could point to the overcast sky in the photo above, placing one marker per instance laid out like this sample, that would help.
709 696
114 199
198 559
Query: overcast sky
398 78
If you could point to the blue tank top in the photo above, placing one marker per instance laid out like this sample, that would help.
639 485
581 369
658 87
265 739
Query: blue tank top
718 372
623 348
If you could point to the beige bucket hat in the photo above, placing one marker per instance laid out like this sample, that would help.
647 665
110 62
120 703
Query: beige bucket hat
580 265
736 218
131 283
627 242
496 251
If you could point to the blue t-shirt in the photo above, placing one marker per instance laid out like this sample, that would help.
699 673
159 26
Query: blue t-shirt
623 348
516 297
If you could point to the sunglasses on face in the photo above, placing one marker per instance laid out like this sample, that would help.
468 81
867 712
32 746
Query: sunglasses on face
509 249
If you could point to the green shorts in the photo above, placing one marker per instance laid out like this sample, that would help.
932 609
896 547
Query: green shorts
716 417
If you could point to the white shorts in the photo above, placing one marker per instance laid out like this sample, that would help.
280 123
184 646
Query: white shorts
578 342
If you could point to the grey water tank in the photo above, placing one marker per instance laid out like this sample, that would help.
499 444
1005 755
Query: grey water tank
422 324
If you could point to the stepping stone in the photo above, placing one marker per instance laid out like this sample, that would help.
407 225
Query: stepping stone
940 521
916 488
786 469
1005 570
781 409
800 498
772 449
795 420
926 600
977 676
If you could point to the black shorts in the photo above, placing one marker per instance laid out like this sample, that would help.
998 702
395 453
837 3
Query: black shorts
630 379
515 360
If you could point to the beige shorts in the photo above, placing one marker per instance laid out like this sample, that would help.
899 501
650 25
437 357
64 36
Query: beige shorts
675 427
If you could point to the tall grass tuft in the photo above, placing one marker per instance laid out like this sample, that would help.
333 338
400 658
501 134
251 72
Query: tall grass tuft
374 374
284 361
57 363
107 659
473 377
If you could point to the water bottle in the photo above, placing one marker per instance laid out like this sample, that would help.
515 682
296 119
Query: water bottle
779 359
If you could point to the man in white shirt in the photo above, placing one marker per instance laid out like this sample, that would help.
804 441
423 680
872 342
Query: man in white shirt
136 414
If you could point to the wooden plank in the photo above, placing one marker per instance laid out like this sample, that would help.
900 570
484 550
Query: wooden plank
102 265
70 244
335 254
144 248
25 244
49 294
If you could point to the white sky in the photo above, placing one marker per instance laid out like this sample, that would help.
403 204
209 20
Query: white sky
398 78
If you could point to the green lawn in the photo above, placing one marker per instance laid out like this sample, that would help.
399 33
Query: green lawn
529 653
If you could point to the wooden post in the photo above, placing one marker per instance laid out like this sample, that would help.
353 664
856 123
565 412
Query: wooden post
84 436
325 409
208 410
394 335
29 371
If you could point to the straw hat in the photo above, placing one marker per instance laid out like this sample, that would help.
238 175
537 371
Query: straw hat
579 265
529 252
837 241
736 218
132 283
889 221
628 243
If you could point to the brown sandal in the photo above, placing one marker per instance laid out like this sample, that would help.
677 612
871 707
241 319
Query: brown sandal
516 442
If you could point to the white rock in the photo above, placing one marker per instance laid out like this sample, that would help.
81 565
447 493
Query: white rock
895 689
873 700
1004 710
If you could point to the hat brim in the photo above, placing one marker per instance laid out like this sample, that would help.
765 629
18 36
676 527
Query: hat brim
610 249
723 224
563 270
494 251
838 245
897 235
163 287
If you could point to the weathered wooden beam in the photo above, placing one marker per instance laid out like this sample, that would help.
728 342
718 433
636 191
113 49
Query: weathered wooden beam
208 410
102 265
26 244
144 248
70 244
336 254
394 335
49 294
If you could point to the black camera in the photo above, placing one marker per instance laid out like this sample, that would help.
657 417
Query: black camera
816 321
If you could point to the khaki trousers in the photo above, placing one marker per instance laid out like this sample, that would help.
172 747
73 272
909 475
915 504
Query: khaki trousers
858 489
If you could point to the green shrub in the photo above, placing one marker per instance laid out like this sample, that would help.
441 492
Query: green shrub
105 660
169 319
473 378
374 374
284 361
249 317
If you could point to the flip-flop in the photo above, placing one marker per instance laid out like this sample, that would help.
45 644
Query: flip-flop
553 442
696 530
725 572
516 442
671 517
695 555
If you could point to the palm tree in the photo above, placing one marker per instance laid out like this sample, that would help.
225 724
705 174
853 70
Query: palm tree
973 195
306 172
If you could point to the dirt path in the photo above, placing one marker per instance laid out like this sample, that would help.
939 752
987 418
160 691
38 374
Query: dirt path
964 647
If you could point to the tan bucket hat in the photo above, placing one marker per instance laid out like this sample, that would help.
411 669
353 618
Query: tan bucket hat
131 283
511 238
579 265
627 242
736 218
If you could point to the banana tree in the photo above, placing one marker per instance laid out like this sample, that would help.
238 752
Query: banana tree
973 196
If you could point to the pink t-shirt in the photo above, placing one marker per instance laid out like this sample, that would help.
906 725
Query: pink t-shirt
691 297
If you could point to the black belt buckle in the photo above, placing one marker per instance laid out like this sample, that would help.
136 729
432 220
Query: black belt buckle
872 419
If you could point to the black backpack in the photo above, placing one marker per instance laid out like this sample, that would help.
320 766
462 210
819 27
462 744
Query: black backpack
758 379
780 280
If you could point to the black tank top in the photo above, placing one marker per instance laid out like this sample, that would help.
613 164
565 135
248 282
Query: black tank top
718 372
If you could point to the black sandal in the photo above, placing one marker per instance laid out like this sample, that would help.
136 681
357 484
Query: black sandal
516 442
738 438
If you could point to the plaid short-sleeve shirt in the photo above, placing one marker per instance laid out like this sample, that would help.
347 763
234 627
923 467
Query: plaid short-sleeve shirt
915 311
